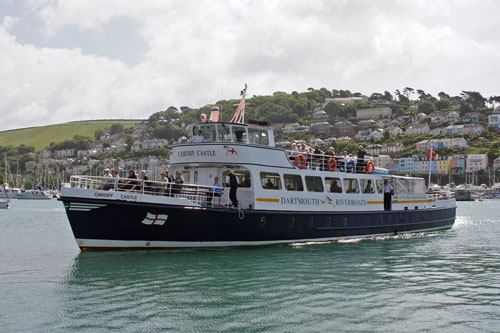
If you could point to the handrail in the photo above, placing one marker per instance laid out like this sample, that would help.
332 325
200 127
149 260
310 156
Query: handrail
320 162
203 195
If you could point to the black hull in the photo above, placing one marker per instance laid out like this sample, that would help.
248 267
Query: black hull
110 221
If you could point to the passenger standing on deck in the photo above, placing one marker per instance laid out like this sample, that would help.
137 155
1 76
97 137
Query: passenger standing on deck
177 186
361 158
294 152
233 186
388 191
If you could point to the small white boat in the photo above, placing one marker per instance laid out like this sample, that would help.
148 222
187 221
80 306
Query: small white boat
34 194
4 204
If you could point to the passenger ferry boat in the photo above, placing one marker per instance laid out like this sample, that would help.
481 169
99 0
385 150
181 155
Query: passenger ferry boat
283 197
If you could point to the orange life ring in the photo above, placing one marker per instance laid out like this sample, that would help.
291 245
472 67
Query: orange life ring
300 161
370 167
330 164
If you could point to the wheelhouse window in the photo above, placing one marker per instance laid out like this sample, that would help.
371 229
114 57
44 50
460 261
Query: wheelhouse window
208 131
270 181
224 132
314 184
239 134
380 185
351 185
293 182
333 185
257 136
367 186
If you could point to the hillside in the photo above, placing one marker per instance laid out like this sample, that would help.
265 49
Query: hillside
40 137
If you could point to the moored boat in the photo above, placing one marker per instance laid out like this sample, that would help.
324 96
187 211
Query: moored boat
282 197
34 194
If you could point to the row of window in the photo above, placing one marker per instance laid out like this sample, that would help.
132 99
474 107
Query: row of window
273 181
232 133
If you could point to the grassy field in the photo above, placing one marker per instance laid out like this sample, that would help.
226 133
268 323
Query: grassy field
41 137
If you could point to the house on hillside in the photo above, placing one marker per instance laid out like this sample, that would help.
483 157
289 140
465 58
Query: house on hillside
496 163
452 117
395 131
476 162
473 129
435 132
437 117
417 129
392 148
344 128
383 161
319 115
321 127
374 112
373 150
494 120
471 117
365 124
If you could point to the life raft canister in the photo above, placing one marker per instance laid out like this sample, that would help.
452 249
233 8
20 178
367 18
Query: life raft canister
332 164
370 167
300 161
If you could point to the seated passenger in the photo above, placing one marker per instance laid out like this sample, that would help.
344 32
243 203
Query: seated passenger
369 187
335 188
269 184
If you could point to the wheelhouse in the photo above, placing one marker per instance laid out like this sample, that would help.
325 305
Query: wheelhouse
233 132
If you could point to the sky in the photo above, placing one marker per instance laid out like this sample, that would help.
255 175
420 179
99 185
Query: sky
73 60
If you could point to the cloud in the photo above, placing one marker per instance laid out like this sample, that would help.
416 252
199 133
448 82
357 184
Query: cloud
191 52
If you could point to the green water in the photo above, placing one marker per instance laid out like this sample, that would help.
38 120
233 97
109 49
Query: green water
440 282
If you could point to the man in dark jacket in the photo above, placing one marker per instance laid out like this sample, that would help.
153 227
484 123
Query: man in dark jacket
361 159
233 186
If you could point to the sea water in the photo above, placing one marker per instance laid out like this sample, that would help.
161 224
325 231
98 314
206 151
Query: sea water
446 281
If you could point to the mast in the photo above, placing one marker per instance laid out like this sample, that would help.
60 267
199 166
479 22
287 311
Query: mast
239 115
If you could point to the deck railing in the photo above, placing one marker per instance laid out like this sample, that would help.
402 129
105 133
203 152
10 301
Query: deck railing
321 162
207 196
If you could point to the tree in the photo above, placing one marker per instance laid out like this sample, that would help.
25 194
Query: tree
98 133
129 139
408 91
387 96
494 99
443 95
473 98
333 109
397 93
426 107
443 104
376 97
116 128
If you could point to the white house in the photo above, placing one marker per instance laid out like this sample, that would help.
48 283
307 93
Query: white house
437 117
392 148
452 117
476 162
383 161
290 128
395 131
319 115
417 129
435 132
494 120
373 112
